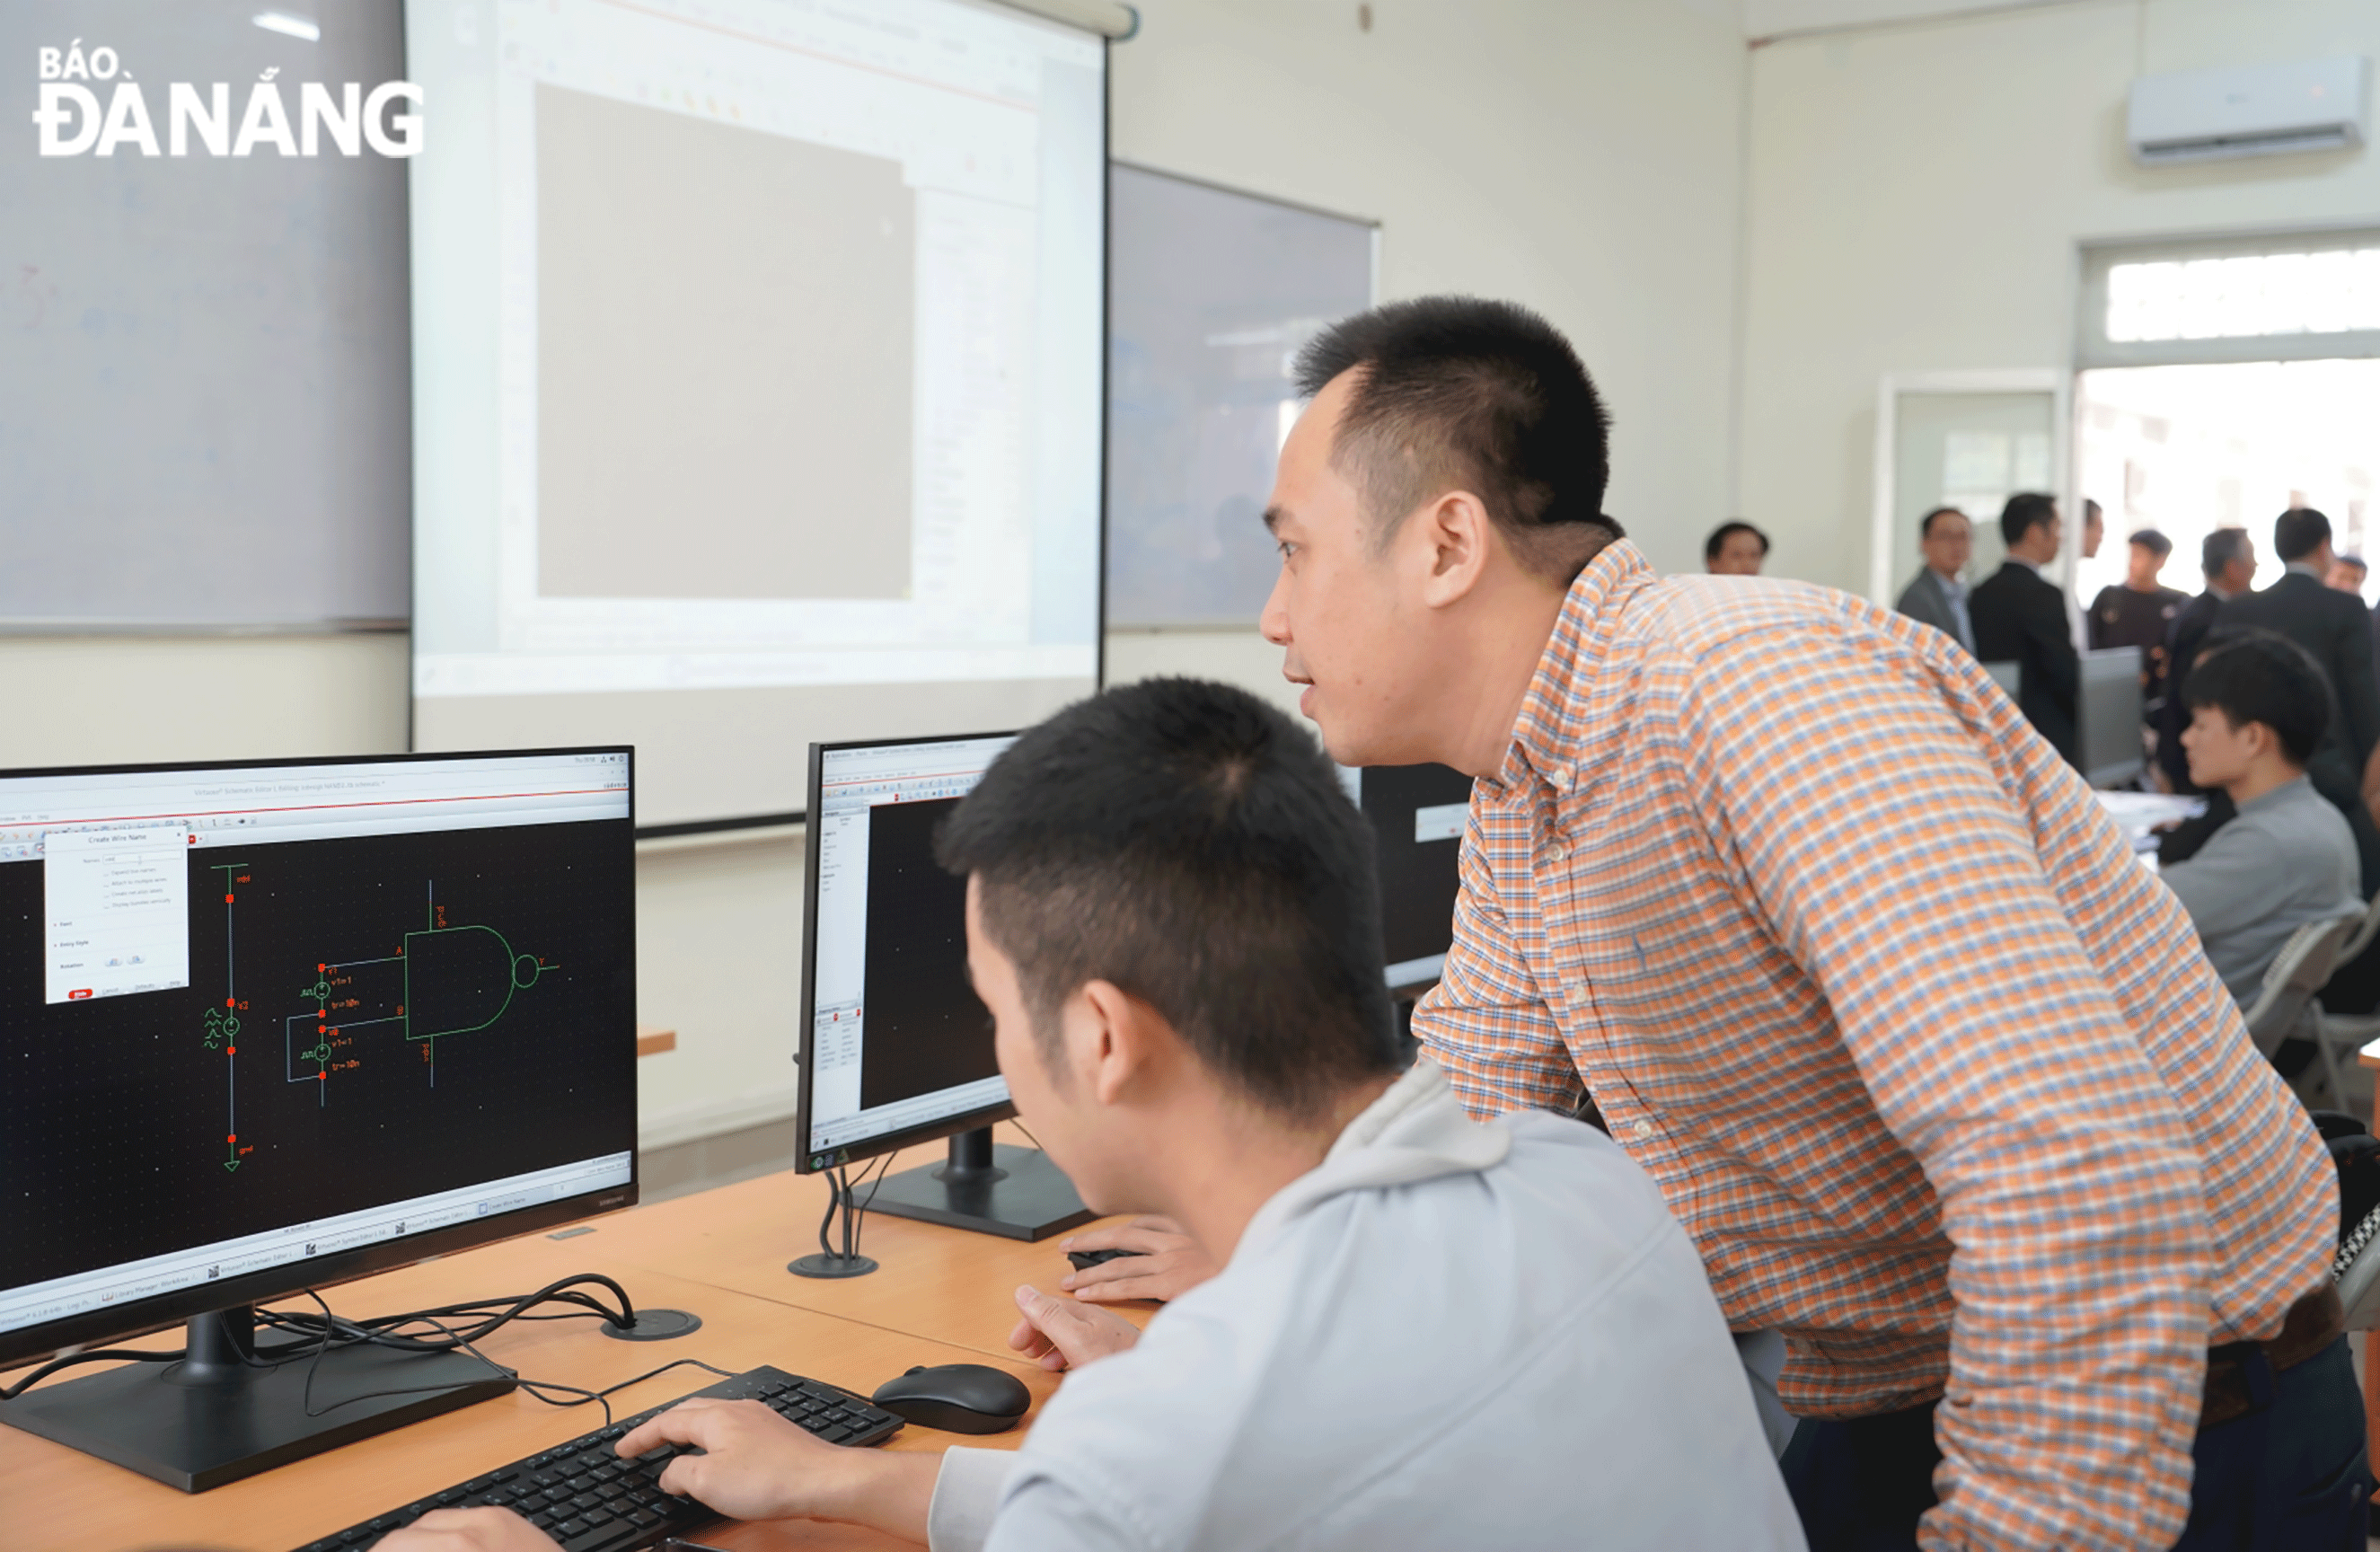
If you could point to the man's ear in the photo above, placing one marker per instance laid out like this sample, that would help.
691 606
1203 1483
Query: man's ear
1451 541
1112 1041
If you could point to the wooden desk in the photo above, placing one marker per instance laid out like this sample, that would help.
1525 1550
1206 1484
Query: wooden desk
941 1296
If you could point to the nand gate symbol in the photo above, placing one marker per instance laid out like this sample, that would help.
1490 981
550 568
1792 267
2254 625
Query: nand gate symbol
73 122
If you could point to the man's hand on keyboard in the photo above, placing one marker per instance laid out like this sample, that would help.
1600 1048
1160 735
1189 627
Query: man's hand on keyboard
1061 1334
1167 1263
467 1530
754 1465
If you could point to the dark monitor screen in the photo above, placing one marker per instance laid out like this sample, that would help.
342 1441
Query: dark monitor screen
275 1024
899 1048
1417 814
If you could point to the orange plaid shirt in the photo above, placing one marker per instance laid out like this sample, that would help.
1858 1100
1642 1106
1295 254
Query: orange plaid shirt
1932 1069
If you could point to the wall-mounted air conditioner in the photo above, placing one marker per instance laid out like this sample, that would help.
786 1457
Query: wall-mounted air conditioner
2249 110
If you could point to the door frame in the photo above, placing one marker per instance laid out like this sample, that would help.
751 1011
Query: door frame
2056 381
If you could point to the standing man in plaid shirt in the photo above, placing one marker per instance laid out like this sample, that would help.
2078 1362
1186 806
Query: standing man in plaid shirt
1778 882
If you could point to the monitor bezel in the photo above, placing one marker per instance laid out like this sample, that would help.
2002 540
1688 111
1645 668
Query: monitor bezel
807 1162
163 1310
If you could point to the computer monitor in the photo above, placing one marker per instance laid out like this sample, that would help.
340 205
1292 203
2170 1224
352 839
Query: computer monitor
897 1049
1417 814
271 1027
2109 725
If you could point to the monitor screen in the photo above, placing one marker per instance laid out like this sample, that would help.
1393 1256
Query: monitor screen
1417 814
273 1025
759 345
899 1048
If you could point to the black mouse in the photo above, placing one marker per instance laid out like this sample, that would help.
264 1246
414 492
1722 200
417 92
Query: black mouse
1085 1260
957 1398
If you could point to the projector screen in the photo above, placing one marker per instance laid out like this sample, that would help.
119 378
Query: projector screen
757 380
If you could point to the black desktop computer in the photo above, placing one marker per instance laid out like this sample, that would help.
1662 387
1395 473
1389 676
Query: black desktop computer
1418 813
272 1026
896 1047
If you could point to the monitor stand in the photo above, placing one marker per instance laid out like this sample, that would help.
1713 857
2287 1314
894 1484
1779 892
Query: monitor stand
217 1415
993 1189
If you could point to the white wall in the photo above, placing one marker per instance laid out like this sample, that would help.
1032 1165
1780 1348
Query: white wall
1579 159
1916 196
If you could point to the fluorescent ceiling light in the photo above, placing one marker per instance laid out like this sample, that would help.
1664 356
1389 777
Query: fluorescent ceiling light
293 26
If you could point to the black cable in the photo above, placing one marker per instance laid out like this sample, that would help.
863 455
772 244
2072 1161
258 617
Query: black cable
317 1335
103 1356
859 1220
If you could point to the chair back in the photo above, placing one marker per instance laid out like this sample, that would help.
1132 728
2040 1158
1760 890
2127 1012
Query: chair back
2298 971
2364 929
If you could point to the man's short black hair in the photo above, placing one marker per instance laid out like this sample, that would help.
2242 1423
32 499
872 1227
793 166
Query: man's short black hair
2351 560
1718 536
1455 392
2154 542
1193 847
1925 524
2298 533
2220 547
2260 676
2025 511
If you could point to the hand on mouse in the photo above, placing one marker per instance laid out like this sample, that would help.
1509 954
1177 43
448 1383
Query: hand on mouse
757 1466
1061 1334
467 1530
1169 1263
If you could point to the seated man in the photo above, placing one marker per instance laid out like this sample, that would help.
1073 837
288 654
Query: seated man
1426 1331
2257 708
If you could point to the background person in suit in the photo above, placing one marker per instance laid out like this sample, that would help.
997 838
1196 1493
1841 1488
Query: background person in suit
1735 549
2020 618
2227 560
1936 594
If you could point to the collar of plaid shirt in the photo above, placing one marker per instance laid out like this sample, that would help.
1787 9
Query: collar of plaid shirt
1932 1071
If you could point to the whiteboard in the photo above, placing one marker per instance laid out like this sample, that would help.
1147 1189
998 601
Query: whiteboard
1210 294
205 403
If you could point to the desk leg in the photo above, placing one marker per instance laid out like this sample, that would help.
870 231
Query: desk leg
2372 1405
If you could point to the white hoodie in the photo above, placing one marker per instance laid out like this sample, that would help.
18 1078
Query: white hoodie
1446 1335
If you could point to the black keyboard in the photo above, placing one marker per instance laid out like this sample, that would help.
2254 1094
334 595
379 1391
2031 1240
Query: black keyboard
591 1500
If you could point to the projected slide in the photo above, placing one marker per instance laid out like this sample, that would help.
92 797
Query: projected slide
758 380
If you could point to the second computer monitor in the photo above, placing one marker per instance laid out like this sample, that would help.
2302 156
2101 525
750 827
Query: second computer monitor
897 1045
1417 814
898 1048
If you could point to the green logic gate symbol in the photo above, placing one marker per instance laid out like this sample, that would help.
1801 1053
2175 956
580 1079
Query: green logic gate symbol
459 979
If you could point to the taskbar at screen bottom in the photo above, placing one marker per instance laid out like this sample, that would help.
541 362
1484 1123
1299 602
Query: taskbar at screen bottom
64 1298
862 1127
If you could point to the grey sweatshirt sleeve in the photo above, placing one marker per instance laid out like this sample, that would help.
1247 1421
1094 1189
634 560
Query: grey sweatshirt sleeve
2232 881
966 1496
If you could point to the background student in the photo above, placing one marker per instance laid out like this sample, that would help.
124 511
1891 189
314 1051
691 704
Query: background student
2258 707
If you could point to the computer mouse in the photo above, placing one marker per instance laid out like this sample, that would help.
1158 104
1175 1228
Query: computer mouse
1085 1260
957 1398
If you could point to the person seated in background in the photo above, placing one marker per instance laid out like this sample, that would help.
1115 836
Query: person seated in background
1426 1331
2020 618
2348 574
2226 558
2258 705
1735 549
1936 595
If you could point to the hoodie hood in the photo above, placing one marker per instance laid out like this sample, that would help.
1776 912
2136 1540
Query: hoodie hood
1415 1131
